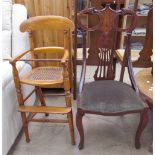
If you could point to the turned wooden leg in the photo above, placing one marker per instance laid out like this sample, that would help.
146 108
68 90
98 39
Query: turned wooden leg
71 127
68 100
144 118
70 117
79 125
25 126
41 98
20 100
122 73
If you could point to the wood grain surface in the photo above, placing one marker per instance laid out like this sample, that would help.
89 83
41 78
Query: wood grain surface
47 7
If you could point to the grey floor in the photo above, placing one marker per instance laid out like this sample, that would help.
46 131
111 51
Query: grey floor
104 135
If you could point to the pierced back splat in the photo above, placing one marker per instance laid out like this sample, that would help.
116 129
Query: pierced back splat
104 43
105 68
106 30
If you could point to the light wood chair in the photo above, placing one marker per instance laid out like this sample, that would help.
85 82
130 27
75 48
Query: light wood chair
45 76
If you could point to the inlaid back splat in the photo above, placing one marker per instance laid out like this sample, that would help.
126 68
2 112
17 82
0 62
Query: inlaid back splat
104 45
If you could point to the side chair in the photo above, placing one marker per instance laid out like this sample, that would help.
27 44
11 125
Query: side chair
45 76
106 96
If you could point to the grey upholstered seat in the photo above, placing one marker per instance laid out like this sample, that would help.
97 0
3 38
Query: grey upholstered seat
109 96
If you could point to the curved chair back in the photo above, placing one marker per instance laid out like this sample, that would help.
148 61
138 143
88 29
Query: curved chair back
62 25
47 22
102 50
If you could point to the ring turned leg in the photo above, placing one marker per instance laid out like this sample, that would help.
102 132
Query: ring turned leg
79 125
142 124
70 117
41 98
25 126
71 127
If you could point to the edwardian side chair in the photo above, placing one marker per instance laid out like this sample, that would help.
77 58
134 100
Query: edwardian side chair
106 96
45 76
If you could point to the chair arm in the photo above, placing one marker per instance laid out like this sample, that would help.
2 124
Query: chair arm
16 58
55 60
65 56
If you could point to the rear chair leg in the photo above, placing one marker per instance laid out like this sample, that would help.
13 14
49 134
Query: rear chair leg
114 64
122 74
41 98
144 118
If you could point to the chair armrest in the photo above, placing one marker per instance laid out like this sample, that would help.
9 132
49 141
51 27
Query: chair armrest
16 58
19 56
65 56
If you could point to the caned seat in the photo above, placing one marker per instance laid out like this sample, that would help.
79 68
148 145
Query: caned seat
101 96
42 76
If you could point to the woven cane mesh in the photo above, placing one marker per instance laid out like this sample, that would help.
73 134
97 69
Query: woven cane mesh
46 74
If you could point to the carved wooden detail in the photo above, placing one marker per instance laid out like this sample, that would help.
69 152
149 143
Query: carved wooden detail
94 20
104 45
105 68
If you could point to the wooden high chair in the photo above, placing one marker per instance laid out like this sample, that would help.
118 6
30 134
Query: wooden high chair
45 76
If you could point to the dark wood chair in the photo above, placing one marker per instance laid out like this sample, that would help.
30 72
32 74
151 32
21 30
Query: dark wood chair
45 76
105 96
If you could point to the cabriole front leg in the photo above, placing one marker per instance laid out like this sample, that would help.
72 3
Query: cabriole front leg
144 118
79 125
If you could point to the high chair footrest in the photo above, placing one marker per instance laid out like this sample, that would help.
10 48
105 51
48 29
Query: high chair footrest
44 109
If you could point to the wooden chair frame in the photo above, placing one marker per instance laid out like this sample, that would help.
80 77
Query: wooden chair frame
30 25
110 76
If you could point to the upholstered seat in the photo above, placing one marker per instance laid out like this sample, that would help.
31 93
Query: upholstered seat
101 96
